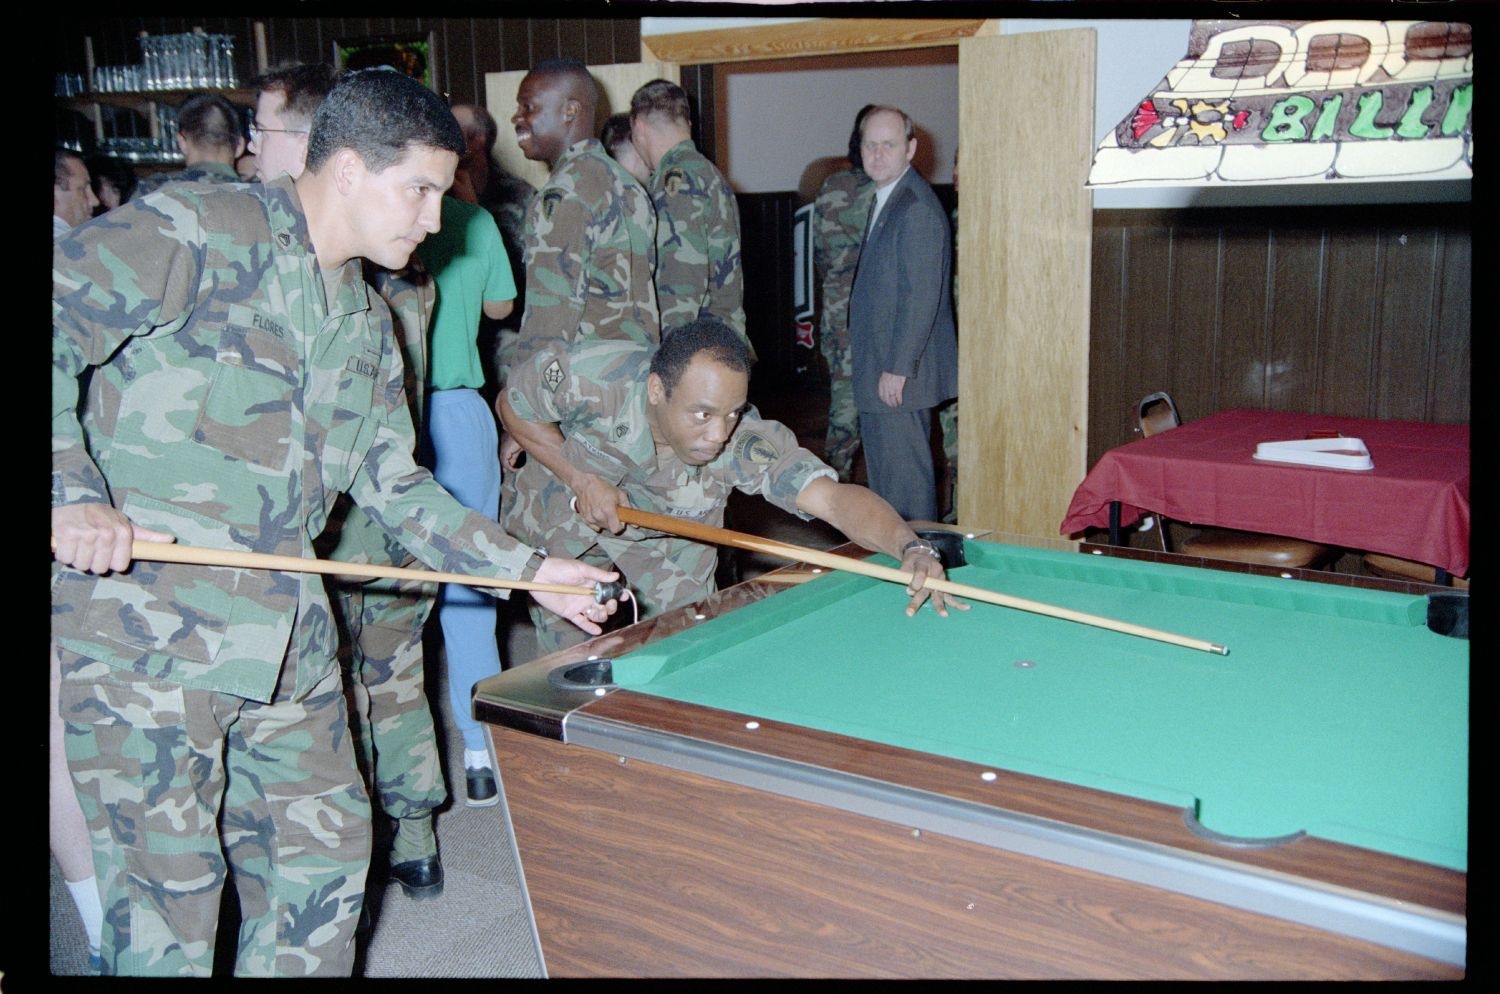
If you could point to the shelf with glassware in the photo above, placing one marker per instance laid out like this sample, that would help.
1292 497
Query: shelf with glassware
172 69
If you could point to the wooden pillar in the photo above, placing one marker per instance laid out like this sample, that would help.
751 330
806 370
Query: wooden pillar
1026 116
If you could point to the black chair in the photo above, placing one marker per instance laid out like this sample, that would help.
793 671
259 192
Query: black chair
1155 414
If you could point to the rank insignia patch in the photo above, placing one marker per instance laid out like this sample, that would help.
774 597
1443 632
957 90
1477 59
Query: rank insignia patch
622 429
553 374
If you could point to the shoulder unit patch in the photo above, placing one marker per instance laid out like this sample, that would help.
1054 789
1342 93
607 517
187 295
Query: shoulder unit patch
553 374
756 448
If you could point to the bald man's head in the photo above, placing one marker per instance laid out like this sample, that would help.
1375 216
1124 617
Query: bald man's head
576 83
555 107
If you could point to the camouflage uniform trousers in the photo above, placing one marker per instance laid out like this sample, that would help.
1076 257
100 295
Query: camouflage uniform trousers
180 786
841 210
381 655
841 447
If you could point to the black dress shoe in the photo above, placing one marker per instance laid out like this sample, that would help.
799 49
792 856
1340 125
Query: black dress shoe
420 878
482 789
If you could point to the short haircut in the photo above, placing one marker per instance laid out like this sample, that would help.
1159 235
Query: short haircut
616 132
485 125
856 158
117 172
662 98
583 87
303 88
379 114
208 119
680 344
60 174
911 129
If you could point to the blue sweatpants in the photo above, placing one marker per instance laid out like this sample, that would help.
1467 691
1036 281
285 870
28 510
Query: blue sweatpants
463 452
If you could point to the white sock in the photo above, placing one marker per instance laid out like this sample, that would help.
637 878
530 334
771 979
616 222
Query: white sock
86 896
477 759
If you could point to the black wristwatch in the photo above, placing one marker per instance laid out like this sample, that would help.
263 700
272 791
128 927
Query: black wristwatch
538 556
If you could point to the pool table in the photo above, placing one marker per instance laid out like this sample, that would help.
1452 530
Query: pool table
798 780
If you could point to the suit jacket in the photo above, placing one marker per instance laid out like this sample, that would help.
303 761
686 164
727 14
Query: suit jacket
901 310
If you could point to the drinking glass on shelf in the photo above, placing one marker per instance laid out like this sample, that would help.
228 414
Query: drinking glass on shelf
171 51
231 78
148 62
197 46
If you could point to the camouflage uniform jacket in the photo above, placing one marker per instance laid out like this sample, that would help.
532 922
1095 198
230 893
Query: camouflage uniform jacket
234 394
206 172
352 535
697 241
841 211
590 251
596 394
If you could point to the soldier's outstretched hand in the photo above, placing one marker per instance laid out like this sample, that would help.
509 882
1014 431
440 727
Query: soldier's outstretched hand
580 609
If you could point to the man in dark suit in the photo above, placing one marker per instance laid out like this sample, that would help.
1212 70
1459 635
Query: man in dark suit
903 343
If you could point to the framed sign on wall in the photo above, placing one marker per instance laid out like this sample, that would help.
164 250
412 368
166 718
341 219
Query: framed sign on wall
414 55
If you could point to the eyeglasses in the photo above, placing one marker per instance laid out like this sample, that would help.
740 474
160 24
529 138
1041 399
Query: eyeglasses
256 131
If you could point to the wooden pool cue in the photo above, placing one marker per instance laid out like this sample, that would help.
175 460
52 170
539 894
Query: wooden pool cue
171 552
790 578
784 550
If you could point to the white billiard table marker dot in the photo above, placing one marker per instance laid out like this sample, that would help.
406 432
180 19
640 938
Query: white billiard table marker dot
600 691
987 775
752 725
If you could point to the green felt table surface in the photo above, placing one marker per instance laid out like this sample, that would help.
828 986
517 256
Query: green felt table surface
1337 712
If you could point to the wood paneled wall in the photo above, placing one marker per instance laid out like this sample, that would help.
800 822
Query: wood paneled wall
466 47
1362 311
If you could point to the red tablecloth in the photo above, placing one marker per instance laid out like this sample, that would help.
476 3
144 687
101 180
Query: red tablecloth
1413 504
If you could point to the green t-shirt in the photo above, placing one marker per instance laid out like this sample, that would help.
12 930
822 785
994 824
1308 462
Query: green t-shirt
468 260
